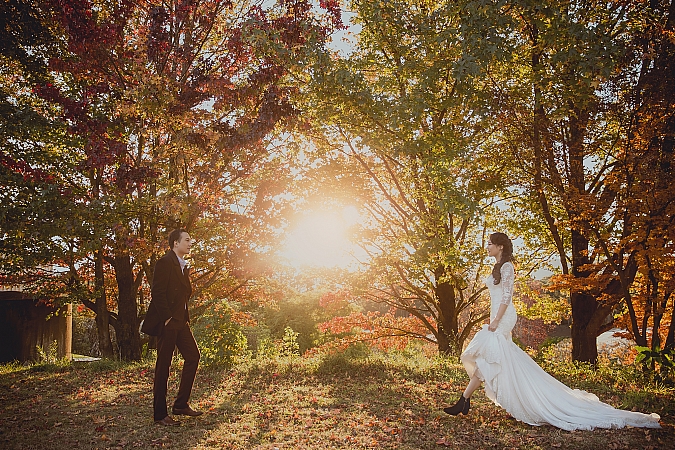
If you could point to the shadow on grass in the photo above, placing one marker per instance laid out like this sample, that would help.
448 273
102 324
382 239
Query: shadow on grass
93 405
339 401
342 402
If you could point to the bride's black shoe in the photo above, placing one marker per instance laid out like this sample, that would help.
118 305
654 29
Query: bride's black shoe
467 405
461 407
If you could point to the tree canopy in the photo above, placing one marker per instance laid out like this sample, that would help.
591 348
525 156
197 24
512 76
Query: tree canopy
443 122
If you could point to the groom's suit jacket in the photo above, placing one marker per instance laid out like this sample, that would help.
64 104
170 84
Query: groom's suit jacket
170 292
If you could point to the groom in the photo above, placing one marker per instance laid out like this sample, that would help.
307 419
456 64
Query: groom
167 318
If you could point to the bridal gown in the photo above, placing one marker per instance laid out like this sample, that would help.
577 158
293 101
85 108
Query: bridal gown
516 383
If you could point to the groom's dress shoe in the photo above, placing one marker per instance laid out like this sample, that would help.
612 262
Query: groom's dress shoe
167 422
186 412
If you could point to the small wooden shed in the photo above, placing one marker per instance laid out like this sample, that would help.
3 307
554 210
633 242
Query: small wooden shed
26 323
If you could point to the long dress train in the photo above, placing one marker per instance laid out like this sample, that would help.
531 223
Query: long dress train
516 383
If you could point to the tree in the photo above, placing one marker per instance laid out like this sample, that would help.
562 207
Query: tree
398 129
647 198
171 105
34 161
566 95
558 82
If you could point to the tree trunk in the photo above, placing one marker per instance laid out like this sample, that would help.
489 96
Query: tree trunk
584 342
584 306
69 333
102 314
587 317
670 337
444 347
128 335
585 326
448 326
537 145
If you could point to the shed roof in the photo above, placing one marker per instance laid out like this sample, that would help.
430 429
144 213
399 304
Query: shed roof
14 295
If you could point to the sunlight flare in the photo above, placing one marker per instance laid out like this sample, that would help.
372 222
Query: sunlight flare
322 239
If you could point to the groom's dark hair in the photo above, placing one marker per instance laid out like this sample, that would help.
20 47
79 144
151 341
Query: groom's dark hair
174 236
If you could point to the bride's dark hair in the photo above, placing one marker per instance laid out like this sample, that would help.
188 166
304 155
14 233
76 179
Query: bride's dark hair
507 254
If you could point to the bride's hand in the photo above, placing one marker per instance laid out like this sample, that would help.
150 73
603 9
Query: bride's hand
493 325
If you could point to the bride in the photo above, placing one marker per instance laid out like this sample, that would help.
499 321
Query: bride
514 381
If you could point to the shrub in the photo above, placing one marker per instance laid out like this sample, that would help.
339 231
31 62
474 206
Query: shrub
221 341
300 312
289 343
266 349
657 363
48 355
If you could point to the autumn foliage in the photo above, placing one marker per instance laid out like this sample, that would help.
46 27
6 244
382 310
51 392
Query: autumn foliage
164 112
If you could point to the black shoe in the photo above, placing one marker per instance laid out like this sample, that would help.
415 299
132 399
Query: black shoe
186 412
168 422
461 407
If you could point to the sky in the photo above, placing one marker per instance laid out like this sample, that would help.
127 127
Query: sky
343 41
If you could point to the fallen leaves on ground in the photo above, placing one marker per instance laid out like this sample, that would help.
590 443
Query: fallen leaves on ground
283 406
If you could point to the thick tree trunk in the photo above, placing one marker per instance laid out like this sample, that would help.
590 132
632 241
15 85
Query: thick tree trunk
584 342
448 327
584 333
444 347
585 323
587 316
102 313
128 335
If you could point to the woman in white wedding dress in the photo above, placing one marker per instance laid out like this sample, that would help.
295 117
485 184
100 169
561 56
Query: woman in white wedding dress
514 381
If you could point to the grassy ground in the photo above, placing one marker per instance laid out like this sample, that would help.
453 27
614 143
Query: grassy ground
334 402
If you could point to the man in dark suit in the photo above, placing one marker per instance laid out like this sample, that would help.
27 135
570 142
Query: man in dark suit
168 318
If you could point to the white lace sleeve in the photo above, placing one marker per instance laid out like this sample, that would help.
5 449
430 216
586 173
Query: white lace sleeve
508 278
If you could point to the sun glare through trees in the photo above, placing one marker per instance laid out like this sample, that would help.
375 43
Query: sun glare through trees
323 239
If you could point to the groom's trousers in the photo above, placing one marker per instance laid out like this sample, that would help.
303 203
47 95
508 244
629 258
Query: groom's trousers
175 334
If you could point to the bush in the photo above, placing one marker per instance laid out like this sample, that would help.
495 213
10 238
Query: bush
266 349
10 367
301 313
289 343
221 341
287 346
657 363
48 359
48 355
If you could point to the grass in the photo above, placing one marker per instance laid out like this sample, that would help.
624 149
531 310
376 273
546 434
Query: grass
389 401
